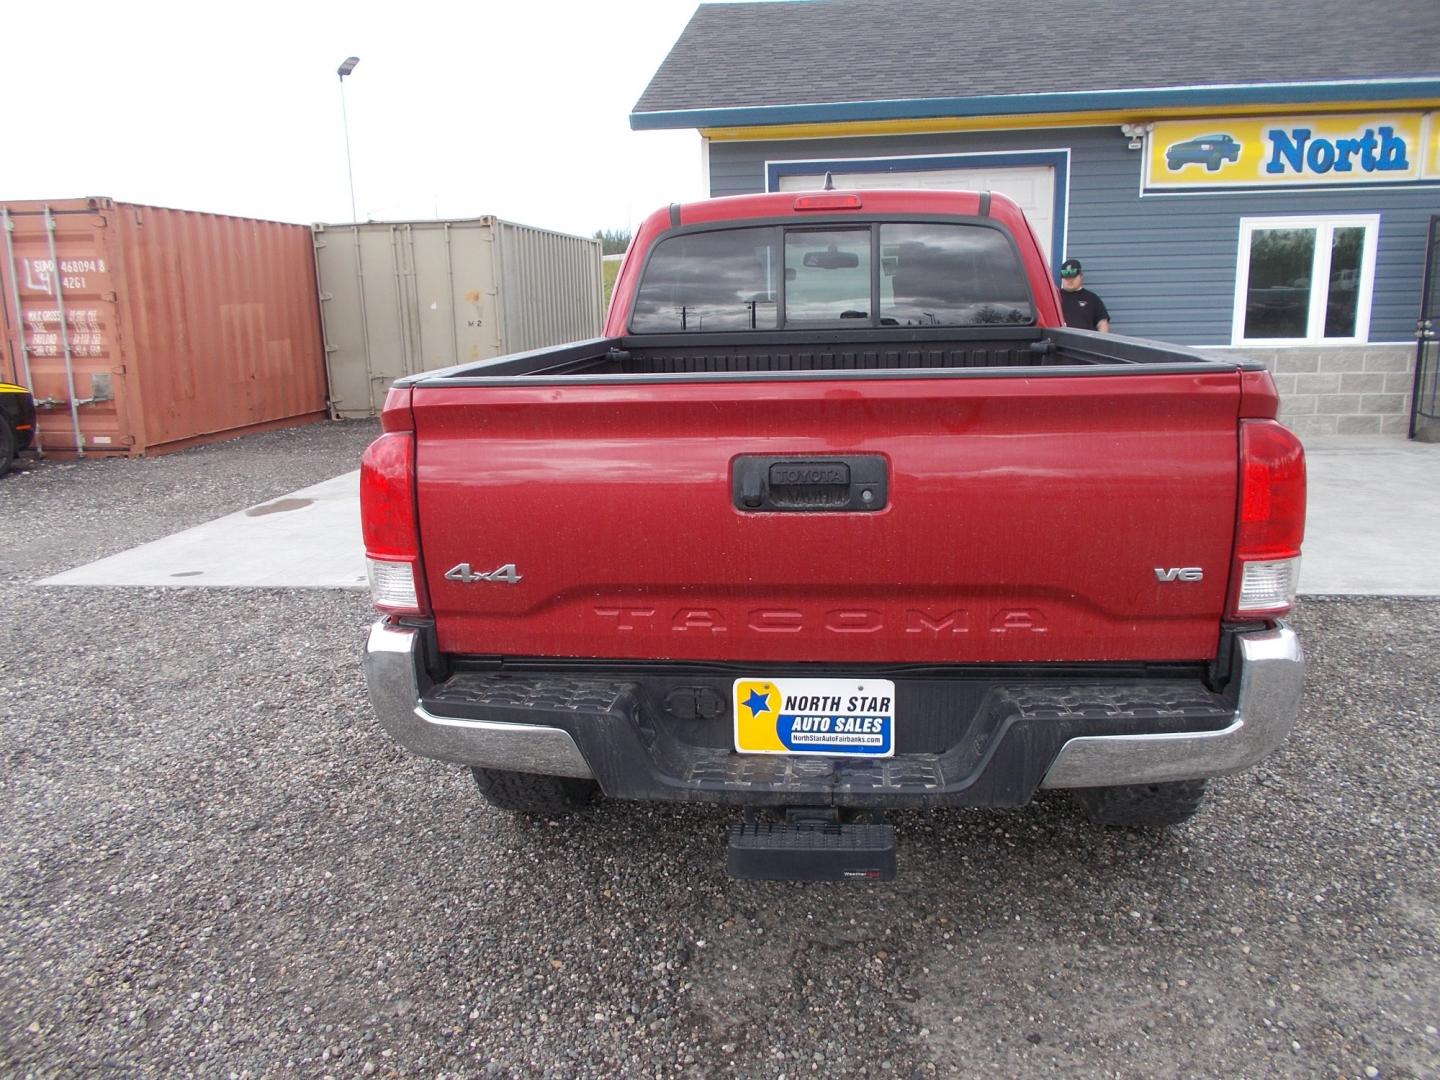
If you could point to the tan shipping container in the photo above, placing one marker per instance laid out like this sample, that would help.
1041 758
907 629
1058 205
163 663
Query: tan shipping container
402 297
142 330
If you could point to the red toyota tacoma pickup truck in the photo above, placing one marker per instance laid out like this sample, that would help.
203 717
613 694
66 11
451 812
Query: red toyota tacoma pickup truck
837 518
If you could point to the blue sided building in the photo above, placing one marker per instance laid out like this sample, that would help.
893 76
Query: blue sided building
1233 176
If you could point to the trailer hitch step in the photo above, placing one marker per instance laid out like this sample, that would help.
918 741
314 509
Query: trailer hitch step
812 851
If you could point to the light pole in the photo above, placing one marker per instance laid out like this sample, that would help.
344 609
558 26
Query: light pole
346 67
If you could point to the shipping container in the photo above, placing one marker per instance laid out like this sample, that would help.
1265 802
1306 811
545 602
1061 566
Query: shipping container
143 330
401 297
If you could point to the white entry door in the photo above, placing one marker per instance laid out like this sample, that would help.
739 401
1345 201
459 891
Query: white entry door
1032 186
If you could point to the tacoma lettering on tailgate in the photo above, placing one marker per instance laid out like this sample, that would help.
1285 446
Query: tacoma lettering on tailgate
835 621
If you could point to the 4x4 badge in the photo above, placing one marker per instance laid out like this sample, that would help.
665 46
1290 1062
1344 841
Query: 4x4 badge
506 574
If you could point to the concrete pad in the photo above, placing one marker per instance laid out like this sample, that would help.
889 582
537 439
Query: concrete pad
309 539
1373 525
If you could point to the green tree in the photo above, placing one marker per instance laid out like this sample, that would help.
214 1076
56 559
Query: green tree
613 241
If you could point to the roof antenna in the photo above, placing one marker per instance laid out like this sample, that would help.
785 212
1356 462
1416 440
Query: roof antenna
829 182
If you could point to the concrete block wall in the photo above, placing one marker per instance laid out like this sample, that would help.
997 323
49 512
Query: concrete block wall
1340 389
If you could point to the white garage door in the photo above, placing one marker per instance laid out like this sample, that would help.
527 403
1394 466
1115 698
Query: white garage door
1032 186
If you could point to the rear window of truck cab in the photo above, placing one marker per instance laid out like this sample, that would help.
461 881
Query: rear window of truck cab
890 274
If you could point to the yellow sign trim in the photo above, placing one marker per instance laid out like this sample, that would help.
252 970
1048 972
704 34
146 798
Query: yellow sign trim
1095 118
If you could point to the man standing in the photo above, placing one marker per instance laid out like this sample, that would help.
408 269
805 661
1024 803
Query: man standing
1082 308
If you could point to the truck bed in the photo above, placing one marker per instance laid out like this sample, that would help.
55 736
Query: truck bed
1018 350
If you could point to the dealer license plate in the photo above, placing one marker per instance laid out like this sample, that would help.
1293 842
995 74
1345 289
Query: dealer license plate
835 717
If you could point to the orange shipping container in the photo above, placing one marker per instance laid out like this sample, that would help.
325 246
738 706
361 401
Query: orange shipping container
143 330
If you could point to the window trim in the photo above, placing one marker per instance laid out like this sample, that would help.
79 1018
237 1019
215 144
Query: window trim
1324 226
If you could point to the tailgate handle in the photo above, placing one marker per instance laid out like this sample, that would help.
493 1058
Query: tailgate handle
850 484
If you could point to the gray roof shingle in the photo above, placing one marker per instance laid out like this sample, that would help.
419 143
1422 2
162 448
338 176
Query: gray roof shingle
799 52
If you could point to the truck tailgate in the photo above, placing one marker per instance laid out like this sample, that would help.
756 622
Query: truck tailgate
1026 518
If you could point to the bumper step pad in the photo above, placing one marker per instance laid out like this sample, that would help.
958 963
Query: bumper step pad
852 851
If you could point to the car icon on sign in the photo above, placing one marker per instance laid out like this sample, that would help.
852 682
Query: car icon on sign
1212 151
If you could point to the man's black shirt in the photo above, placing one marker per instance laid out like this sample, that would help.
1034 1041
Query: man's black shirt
1083 309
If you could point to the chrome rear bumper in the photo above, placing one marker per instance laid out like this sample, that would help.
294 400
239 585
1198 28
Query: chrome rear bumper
1270 671
397 679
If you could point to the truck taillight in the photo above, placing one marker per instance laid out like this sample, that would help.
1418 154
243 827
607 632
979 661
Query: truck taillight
1271 521
387 522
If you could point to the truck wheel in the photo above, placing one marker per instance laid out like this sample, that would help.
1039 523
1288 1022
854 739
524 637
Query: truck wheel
7 446
531 793
1141 806
1213 165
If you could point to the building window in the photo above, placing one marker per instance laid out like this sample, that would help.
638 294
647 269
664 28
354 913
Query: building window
1305 281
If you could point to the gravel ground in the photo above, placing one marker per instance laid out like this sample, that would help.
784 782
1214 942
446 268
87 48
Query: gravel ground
215 864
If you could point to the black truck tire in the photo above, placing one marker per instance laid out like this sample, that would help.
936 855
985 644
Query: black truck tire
531 793
1141 806
8 442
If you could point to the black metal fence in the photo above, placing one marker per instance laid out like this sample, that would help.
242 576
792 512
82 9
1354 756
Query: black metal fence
1425 401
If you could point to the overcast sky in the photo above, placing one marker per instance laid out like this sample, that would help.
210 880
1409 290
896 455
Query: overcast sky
517 109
